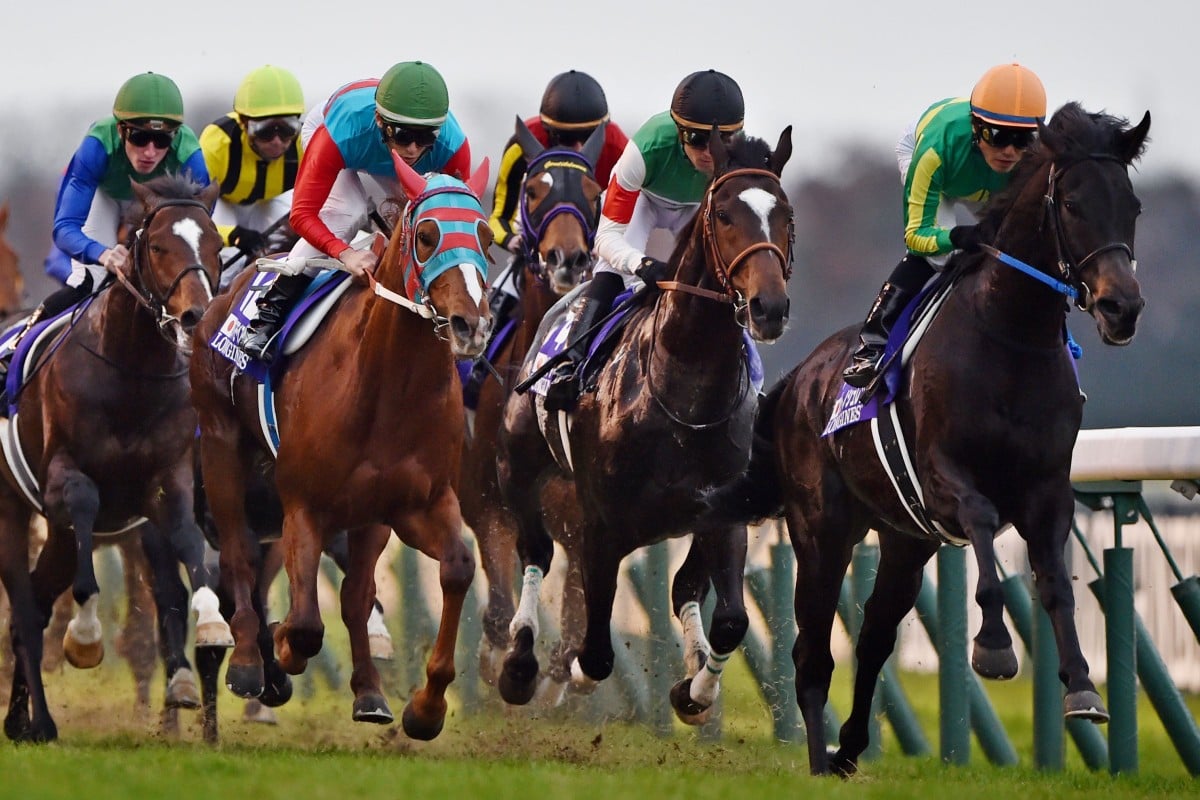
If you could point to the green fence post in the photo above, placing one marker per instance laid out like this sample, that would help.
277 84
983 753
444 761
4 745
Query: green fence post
864 566
663 658
953 677
782 624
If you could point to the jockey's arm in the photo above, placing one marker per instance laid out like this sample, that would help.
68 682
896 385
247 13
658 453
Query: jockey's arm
79 186
619 202
319 169
922 198
215 145
504 221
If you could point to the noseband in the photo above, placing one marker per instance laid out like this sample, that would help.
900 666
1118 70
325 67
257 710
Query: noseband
149 298
1069 269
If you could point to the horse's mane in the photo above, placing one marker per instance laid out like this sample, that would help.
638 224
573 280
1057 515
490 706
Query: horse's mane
743 152
1072 134
171 186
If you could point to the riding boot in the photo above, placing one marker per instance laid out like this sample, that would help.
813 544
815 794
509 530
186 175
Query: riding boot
595 302
273 309
873 337
502 305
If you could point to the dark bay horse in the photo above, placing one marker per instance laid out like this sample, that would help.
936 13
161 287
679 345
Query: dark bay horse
559 209
106 428
669 422
371 423
991 414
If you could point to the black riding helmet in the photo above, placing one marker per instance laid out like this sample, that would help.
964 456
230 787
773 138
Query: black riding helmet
573 101
708 98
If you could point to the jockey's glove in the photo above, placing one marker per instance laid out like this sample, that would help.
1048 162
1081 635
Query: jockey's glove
651 270
966 238
247 240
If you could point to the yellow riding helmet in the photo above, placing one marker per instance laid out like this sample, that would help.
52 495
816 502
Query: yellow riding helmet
1009 95
269 92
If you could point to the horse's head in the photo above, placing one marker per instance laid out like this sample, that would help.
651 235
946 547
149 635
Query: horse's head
441 245
12 283
1094 212
747 228
176 253
560 207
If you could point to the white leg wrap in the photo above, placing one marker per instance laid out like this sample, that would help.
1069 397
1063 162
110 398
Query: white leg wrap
580 682
527 609
375 624
706 685
85 626
695 644
206 606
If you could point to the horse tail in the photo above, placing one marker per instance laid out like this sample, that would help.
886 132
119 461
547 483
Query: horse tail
757 493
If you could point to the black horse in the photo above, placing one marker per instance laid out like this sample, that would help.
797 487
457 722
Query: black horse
991 413
669 421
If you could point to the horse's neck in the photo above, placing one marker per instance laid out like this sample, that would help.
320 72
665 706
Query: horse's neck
129 336
697 333
393 344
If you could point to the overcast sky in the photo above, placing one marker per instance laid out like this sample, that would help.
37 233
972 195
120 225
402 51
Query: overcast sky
834 70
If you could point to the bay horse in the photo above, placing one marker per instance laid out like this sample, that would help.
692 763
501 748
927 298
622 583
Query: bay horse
991 412
105 429
669 421
370 418
12 283
559 208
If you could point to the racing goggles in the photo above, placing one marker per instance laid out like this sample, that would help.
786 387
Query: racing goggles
421 137
699 139
1000 137
273 128
140 137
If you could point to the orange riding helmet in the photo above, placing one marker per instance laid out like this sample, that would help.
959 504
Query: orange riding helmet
1009 95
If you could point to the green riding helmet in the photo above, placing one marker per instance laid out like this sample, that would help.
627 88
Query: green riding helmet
269 92
412 93
150 97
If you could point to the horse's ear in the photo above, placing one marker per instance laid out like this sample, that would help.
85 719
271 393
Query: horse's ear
782 151
144 195
530 146
1132 143
412 183
478 181
716 148
208 195
595 144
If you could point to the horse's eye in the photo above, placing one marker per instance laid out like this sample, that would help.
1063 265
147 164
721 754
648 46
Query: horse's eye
155 249
426 239
723 217
1071 207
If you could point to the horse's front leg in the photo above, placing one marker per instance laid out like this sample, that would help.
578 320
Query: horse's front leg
600 567
300 635
177 520
170 599
364 546
992 655
722 557
1046 537
72 502
437 532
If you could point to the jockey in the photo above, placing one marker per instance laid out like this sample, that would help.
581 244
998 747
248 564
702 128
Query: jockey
573 106
347 166
253 152
658 183
144 138
951 160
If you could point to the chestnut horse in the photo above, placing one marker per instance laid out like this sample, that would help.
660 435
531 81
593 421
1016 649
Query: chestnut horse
370 419
106 429
559 209
991 413
670 421
12 283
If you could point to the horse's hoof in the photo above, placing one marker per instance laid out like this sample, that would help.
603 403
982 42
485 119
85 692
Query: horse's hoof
259 712
381 647
491 663
16 724
276 694
373 707
417 728
182 691
244 680
550 692
842 765
518 678
82 656
1085 705
999 665
214 634
688 710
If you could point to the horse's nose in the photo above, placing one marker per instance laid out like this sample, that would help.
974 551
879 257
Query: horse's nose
769 316
468 341
190 319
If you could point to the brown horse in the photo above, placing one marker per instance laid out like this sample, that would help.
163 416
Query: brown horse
371 424
12 283
991 413
559 211
669 421
105 431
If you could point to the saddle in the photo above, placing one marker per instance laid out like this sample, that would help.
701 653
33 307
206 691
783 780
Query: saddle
23 350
